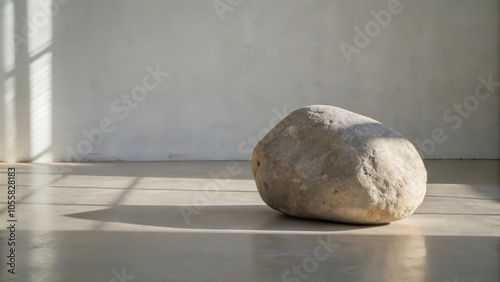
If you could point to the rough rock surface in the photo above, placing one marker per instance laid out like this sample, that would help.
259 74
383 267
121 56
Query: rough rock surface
323 162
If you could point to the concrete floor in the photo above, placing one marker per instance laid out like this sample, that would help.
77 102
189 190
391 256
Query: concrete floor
170 222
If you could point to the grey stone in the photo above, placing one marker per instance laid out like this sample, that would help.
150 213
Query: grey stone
327 163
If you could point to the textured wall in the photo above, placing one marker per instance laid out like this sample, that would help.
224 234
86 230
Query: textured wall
91 83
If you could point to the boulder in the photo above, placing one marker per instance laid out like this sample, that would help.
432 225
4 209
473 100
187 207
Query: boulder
327 163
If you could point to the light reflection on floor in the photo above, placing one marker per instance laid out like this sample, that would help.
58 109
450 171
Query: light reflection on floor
157 222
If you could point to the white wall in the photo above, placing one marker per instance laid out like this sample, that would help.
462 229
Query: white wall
230 75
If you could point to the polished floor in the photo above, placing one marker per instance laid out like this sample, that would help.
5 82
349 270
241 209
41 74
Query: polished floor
204 221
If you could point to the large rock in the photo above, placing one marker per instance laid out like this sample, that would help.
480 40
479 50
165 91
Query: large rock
323 162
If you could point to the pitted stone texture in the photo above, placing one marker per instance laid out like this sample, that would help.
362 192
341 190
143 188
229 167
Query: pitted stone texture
323 162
